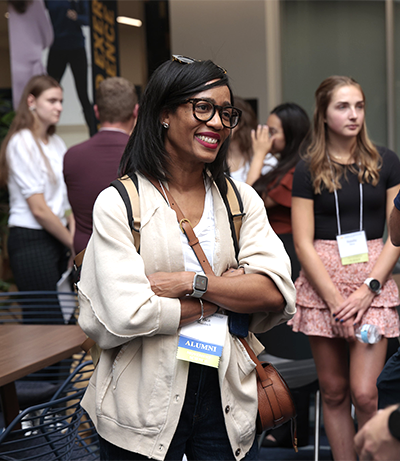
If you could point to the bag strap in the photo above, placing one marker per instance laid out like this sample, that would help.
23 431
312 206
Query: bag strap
259 368
128 188
186 227
234 205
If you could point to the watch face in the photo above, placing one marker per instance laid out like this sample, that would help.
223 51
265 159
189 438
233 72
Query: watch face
201 282
374 285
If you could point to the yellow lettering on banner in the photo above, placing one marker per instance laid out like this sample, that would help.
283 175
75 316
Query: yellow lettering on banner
110 52
98 43
96 8
111 69
99 79
104 38
99 59
98 25
109 16
109 33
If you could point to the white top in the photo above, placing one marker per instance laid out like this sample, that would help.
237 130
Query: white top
270 162
205 232
28 175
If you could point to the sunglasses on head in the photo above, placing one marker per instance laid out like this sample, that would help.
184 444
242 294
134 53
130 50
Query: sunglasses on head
186 60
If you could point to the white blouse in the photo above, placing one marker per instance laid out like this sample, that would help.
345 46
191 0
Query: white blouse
205 232
270 162
29 175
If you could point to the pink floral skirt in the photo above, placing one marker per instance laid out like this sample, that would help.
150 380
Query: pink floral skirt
313 316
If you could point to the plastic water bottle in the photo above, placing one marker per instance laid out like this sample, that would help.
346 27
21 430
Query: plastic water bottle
368 334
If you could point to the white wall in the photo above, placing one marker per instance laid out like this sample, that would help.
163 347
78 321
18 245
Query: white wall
229 32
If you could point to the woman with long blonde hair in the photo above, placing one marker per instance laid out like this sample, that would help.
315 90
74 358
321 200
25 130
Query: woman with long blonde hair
31 160
343 192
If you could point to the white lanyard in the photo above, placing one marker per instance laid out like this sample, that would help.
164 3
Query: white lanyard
352 246
337 204
337 210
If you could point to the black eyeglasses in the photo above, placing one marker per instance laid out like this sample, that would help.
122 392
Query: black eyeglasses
204 111
186 60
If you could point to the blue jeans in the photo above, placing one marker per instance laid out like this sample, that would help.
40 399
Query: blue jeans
201 432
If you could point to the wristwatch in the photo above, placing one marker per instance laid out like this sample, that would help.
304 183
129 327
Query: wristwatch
394 423
200 283
374 285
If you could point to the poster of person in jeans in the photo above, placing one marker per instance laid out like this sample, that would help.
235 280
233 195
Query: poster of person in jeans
68 17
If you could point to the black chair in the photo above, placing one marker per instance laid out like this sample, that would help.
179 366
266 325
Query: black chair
86 445
49 430
38 307
291 354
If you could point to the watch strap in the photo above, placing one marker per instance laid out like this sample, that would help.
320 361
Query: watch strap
368 283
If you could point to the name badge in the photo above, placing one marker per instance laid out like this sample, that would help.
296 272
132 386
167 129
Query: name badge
353 247
202 341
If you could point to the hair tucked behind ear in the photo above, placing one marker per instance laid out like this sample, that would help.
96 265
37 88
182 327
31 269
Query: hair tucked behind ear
24 119
169 86
365 155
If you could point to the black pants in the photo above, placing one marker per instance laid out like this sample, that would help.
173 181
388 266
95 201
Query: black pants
76 58
37 259
388 382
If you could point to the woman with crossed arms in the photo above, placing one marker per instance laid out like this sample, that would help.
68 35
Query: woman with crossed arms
144 400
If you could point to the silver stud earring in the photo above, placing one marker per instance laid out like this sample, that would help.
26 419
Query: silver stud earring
32 108
165 125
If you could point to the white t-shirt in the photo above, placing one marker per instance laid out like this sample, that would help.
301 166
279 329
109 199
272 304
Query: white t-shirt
205 232
28 175
270 162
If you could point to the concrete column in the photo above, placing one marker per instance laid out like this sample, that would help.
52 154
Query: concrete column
273 47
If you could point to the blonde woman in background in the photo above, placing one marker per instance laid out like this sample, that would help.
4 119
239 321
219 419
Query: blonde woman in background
345 186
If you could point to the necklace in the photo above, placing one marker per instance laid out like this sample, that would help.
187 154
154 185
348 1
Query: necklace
342 158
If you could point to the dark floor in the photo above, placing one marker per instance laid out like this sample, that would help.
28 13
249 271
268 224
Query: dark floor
304 453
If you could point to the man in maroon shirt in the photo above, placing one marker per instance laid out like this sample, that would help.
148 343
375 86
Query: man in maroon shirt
90 167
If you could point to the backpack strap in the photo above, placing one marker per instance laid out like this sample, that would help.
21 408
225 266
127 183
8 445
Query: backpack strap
234 205
238 323
128 188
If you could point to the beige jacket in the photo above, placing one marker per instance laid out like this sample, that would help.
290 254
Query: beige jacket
137 390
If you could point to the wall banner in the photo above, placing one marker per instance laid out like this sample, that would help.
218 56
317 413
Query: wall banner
104 38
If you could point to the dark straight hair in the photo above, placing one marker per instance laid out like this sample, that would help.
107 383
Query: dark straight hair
296 128
169 86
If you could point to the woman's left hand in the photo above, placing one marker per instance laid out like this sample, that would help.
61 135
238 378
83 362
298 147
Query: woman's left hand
171 284
355 305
